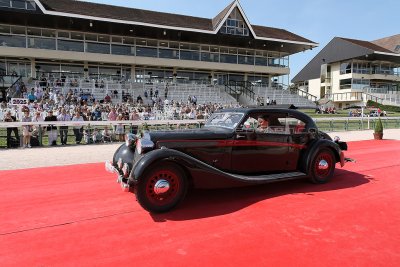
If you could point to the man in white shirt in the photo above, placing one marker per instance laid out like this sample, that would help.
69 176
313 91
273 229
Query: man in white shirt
78 129
64 116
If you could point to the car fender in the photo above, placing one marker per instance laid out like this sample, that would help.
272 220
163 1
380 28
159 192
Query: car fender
314 148
125 153
158 155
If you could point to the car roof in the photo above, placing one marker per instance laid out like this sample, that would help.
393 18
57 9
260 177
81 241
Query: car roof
274 109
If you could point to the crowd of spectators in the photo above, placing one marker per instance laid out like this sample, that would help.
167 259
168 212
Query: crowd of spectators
50 104
261 101
325 110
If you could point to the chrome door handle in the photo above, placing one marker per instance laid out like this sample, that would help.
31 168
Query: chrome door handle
240 136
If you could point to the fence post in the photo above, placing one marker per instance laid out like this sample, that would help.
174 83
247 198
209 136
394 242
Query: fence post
40 136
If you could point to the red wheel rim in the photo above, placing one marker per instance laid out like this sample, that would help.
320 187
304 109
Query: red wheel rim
167 197
323 165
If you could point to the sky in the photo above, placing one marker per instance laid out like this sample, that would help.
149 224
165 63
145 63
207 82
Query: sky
317 20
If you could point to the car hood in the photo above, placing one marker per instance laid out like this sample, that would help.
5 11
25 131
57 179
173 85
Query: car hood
209 133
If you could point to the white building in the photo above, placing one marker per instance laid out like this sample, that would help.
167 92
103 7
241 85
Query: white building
350 72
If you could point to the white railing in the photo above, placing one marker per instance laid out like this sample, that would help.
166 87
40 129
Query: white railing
365 119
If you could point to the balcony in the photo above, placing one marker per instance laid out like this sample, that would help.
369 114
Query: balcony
353 97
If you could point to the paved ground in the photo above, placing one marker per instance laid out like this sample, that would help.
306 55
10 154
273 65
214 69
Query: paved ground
13 159
60 156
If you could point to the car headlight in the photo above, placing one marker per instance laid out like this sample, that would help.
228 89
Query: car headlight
130 139
144 145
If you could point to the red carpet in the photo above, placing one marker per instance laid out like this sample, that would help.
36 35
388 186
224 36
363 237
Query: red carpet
78 216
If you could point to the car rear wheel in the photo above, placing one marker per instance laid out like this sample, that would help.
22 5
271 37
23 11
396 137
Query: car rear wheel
162 188
323 166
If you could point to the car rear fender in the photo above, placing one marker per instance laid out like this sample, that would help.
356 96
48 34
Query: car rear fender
314 148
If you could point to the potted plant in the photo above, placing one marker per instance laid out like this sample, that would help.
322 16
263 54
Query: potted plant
378 133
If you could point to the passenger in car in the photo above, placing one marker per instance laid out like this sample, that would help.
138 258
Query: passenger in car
263 124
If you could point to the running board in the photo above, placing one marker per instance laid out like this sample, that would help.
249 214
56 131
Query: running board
269 177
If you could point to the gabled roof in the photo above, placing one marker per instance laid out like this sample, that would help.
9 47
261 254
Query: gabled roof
340 49
124 14
132 16
279 34
368 45
233 6
391 43
217 20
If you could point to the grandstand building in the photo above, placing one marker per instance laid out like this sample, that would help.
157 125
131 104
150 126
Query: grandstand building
67 39
349 72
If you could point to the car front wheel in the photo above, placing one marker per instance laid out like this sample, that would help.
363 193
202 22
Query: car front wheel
323 166
161 188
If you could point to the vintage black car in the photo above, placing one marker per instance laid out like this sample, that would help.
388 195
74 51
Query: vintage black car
230 150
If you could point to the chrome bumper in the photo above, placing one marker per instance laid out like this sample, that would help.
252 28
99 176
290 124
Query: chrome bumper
111 169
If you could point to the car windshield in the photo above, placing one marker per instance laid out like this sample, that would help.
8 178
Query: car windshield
224 119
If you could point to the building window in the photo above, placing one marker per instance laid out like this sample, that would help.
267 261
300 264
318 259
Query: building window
122 50
360 84
189 55
345 68
98 48
42 43
345 84
235 24
168 53
66 45
12 41
19 4
142 51
361 67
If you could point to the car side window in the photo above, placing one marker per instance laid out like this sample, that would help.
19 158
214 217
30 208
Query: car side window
272 124
296 126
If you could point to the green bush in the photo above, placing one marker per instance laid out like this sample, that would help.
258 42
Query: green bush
378 126
371 103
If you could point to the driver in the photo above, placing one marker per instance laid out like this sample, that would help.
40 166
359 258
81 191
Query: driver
263 124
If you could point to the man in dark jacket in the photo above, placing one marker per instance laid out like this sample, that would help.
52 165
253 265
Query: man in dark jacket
51 129
9 118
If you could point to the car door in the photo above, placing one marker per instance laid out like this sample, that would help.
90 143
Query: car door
255 152
297 141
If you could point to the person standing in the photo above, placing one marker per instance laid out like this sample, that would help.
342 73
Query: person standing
119 129
26 130
64 116
51 129
78 129
112 116
37 130
9 118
